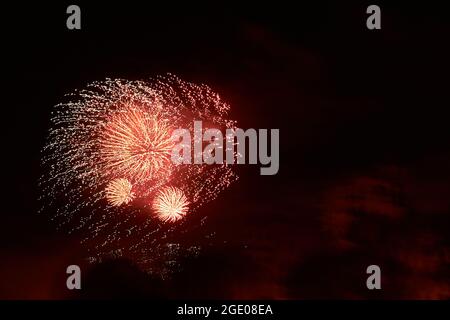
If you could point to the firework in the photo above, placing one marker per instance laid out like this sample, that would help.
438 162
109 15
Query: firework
119 192
136 144
170 204
108 171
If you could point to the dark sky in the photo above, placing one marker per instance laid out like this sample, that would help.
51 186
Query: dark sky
364 150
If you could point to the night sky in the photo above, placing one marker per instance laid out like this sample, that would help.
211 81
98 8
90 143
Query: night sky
364 146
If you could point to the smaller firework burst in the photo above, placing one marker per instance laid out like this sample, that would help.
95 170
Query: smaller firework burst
118 192
170 204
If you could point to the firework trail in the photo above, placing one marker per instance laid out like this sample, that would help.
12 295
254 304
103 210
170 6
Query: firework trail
108 169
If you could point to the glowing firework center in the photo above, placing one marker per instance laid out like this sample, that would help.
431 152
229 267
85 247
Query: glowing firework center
137 146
